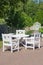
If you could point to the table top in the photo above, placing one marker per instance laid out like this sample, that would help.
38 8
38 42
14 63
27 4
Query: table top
19 36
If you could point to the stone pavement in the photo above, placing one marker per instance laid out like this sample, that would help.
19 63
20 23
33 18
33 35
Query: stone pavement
23 57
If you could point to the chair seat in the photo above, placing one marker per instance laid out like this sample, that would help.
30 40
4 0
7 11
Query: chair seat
8 44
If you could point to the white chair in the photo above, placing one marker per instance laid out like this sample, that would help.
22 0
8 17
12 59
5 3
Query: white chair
42 35
9 42
33 42
37 39
20 32
15 42
29 43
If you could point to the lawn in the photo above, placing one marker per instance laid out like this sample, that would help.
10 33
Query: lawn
0 43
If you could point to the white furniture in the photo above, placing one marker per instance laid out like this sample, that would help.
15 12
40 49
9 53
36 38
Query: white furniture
20 32
29 42
20 37
42 35
37 39
10 41
32 42
15 42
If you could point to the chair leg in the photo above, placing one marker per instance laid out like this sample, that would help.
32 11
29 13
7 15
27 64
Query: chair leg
18 47
3 48
11 49
33 46
39 45
26 47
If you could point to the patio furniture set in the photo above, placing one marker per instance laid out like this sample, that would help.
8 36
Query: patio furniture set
13 40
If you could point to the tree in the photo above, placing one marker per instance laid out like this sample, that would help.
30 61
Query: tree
39 14
14 18
21 13
27 19
31 8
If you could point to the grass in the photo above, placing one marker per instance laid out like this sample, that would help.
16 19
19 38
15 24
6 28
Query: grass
0 43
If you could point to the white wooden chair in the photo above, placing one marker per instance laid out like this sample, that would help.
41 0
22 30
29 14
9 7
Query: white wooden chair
37 39
9 42
29 43
32 42
20 32
15 42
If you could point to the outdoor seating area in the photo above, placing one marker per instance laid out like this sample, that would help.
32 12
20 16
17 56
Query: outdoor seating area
23 57
14 40
21 32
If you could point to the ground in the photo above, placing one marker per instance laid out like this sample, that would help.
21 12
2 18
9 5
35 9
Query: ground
23 57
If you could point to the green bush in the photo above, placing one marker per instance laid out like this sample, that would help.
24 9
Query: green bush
2 21
41 30
29 32
27 20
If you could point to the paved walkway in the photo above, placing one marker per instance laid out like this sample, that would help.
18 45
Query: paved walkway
23 57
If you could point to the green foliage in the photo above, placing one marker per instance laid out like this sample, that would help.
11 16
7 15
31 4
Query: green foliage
15 20
39 16
27 19
21 13
2 21
29 32
41 30
30 8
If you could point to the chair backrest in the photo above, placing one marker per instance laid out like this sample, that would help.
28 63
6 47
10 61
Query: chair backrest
20 32
6 38
14 39
37 36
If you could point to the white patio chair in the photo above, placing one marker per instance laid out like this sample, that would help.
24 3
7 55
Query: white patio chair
29 43
20 32
33 42
15 42
37 39
9 42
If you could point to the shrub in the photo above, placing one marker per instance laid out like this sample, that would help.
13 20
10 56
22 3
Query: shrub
29 32
41 30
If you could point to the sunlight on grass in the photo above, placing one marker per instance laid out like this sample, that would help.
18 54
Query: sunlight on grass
0 44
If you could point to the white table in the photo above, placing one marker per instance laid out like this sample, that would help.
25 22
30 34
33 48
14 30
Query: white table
19 36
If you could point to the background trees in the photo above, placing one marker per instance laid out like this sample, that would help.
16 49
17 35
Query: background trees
21 13
39 14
